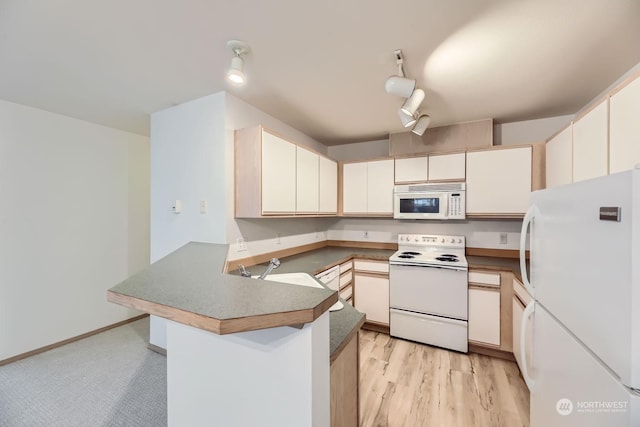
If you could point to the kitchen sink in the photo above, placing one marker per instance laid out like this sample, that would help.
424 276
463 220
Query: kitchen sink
300 279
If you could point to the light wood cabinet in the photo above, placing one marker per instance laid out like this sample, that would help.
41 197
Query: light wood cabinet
447 167
591 143
328 186
307 181
344 380
411 169
276 177
371 293
624 127
367 188
499 181
559 158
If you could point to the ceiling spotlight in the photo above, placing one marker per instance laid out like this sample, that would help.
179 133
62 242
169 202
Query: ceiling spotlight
412 104
235 74
422 125
400 86
407 120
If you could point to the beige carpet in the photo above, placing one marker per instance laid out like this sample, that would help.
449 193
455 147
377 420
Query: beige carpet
110 379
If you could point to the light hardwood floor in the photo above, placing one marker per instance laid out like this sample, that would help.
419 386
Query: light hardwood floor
406 384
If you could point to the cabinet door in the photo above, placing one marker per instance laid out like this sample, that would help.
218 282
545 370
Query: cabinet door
354 188
328 177
380 187
624 128
559 159
413 169
447 167
372 297
278 175
591 144
484 316
307 181
499 181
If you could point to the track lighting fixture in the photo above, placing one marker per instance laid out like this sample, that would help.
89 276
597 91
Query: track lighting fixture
235 74
402 86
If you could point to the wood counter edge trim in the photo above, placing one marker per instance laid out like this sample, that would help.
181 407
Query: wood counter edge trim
71 340
495 253
347 339
225 326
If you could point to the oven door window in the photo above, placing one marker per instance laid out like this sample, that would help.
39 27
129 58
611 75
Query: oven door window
420 205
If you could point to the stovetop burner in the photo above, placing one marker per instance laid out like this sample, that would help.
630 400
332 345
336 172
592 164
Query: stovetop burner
449 255
411 253
403 256
447 259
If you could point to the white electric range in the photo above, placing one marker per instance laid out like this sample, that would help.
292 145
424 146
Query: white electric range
428 290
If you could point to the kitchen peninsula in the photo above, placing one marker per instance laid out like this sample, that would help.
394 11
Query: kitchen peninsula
232 356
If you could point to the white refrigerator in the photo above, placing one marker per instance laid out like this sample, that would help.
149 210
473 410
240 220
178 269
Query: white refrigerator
584 241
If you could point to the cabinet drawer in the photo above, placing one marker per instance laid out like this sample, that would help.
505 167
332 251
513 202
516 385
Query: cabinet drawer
484 278
440 331
346 293
346 266
373 266
521 292
345 279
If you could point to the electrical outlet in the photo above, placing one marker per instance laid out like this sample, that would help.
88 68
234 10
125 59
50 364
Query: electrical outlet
366 234
242 244
503 238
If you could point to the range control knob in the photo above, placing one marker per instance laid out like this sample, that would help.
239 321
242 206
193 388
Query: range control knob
416 239
442 241
453 240
459 240
402 238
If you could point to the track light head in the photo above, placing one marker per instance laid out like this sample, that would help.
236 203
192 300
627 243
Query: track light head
235 74
421 125
412 104
406 120
400 86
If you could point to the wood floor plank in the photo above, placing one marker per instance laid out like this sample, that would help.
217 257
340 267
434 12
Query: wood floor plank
407 384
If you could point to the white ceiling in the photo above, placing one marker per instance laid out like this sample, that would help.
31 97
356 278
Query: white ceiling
319 66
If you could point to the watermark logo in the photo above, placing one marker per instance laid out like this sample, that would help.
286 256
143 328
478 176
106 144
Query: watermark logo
564 407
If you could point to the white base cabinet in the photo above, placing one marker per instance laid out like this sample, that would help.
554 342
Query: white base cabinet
371 290
484 315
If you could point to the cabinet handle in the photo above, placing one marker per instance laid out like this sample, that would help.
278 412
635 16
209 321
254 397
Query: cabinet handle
528 311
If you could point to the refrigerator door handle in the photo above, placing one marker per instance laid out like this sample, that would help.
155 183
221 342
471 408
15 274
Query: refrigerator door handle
528 311
523 243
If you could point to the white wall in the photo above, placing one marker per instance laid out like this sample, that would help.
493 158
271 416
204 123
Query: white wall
528 131
188 164
73 223
360 150
478 233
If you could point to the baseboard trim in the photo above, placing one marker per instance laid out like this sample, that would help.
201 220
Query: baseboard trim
500 354
69 340
376 327
157 349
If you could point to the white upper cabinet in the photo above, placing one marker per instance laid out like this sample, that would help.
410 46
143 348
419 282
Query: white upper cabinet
624 128
354 188
411 169
380 187
307 181
499 181
328 176
447 167
367 188
278 175
559 154
591 143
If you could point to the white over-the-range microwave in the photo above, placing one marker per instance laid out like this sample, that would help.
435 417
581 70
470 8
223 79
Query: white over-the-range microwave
429 201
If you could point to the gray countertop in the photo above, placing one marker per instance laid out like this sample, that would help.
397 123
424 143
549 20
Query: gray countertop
189 284
342 322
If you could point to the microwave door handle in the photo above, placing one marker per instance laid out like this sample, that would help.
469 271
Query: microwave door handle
445 210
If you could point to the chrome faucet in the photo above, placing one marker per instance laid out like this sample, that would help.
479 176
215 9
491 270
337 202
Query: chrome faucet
243 271
273 264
